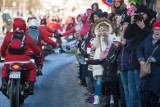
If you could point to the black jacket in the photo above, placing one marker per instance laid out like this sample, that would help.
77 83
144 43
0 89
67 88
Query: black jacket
134 31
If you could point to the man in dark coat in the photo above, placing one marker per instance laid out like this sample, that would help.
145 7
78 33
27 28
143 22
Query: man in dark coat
149 50
139 29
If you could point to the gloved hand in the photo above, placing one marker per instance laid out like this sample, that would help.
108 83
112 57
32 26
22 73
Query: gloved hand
67 47
151 59
79 45
103 57
61 51
57 36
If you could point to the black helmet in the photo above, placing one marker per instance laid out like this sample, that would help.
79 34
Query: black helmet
43 22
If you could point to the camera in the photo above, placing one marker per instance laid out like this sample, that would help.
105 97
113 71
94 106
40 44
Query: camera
138 17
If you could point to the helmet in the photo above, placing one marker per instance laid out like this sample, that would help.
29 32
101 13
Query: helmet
55 19
30 18
43 22
33 22
19 24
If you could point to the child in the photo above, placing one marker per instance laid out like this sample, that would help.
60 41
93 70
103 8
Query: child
109 63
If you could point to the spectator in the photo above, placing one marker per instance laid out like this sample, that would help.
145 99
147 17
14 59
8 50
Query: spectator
94 6
125 67
150 85
86 24
117 4
139 29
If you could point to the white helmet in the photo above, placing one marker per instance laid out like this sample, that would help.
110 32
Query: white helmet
33 22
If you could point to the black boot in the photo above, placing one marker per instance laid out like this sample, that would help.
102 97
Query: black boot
107 104
31 88
3 88
39 71
115 98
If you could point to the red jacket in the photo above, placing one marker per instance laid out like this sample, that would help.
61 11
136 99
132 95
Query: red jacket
47 30
24 57
55 25
44 36
68 32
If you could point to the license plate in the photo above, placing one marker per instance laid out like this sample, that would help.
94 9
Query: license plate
32 60
15 75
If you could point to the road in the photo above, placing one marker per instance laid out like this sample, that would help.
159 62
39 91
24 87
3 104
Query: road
58 87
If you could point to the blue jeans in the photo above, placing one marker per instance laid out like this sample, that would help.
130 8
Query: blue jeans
129 85
137 80
98 85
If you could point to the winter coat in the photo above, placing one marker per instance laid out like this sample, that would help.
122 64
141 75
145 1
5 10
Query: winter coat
111 73
134 31
55 25
125 57
86 25
100 46
47 31
44 36
151 82
24 57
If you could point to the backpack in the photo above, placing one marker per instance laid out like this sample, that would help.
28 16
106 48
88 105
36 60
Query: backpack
17 45
34 32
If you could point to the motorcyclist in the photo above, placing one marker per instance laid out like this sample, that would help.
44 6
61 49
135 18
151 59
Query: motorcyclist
44 36
19 28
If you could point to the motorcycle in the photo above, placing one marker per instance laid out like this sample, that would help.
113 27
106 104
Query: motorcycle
18 86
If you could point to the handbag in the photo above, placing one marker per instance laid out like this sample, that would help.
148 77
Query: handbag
145 69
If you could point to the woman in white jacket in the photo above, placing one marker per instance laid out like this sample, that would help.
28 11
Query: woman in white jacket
100 43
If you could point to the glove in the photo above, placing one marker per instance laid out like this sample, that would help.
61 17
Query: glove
79 45
61 51
103 57
57 36
151 59
67 47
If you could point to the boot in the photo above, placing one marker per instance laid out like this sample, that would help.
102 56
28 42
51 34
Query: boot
107 104
115 98
31 88
3 88
91 98
96 99
39 71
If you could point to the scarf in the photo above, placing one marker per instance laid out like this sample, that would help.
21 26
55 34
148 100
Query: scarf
155 39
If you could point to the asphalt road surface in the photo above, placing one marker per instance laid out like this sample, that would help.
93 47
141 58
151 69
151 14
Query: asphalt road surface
58 87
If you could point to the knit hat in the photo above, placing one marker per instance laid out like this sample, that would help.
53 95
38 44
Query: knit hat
98 12
105 14
156 24
119 11
136 2
142 8
127 19
89 12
